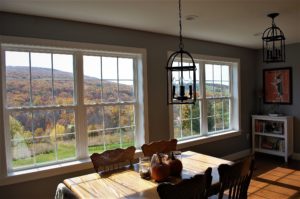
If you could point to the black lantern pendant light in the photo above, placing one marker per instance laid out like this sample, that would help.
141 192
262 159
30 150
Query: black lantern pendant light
181 75
273 43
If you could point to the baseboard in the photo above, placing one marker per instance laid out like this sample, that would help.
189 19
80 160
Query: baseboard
239 155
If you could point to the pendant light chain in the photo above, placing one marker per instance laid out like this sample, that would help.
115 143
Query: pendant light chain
180 27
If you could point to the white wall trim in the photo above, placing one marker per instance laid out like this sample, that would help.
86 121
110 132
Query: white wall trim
238 155
206 139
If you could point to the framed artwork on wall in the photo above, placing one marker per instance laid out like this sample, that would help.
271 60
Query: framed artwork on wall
277 85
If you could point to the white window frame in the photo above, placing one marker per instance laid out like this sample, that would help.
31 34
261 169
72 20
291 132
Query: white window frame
82 161
235 116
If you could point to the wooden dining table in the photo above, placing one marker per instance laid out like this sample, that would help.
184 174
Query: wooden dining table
127 183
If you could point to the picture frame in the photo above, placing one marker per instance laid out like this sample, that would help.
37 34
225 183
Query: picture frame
277 85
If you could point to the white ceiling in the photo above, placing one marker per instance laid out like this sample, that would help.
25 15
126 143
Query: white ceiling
226 21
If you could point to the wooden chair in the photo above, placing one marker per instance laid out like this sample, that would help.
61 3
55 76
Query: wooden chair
112 159
163 146
236 178
193 188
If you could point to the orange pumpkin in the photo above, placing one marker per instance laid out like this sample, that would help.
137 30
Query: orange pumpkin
160 171
175 165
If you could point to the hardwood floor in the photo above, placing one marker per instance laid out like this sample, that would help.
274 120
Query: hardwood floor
274 179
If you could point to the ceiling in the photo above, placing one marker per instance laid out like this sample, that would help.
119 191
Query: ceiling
235 22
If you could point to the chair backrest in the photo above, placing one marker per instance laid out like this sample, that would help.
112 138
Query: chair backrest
236 178
162 146
193 188
112 159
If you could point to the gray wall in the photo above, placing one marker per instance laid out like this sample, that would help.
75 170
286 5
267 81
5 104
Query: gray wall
157 46
292 60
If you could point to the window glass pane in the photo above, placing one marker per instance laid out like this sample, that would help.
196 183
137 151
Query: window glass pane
42 92
17 78
197 71
210 107
196 126
127 115
41 66
94 117
185 111
211 124
20 129
111 117
217 72
125 68
127 137
209 72
65 133
218 107
186 128
13 58
217 89
110 91
17 92
112 139
219 122
63 79
92 79
226 104
195 110
109 68
95 142
177 128
225 81
44 149
209 87
66 146
225 73
226 121
126 91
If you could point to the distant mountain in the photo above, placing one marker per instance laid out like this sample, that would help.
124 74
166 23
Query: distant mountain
22 72
18 87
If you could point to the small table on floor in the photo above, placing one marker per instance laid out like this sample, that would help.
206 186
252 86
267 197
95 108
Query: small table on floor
127 183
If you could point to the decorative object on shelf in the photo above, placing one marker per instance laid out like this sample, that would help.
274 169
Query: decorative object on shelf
181 74
273 43
277 86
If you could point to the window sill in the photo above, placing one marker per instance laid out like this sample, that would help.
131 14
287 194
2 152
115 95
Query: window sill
207 139
49 171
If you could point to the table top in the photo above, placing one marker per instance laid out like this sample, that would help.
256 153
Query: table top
127 183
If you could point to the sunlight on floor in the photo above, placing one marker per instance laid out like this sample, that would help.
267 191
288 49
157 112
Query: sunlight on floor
278 183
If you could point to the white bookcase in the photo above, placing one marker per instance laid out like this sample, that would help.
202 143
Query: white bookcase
273 135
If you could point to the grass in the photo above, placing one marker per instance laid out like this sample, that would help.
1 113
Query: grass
64 151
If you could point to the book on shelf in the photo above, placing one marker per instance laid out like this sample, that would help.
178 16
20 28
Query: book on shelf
263 126
272 143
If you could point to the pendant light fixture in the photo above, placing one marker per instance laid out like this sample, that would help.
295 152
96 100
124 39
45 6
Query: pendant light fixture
273 43
181 73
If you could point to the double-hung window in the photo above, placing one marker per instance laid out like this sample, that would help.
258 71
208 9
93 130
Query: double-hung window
64 104
216 108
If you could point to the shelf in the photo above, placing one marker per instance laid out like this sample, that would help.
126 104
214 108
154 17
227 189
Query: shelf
270 135
270 151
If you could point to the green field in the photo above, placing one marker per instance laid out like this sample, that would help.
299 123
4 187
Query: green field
64 151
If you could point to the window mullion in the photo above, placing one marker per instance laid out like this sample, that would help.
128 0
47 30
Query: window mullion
6 154
80 117
204 126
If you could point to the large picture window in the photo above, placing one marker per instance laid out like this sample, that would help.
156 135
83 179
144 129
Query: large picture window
213 112
65 104
109 96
